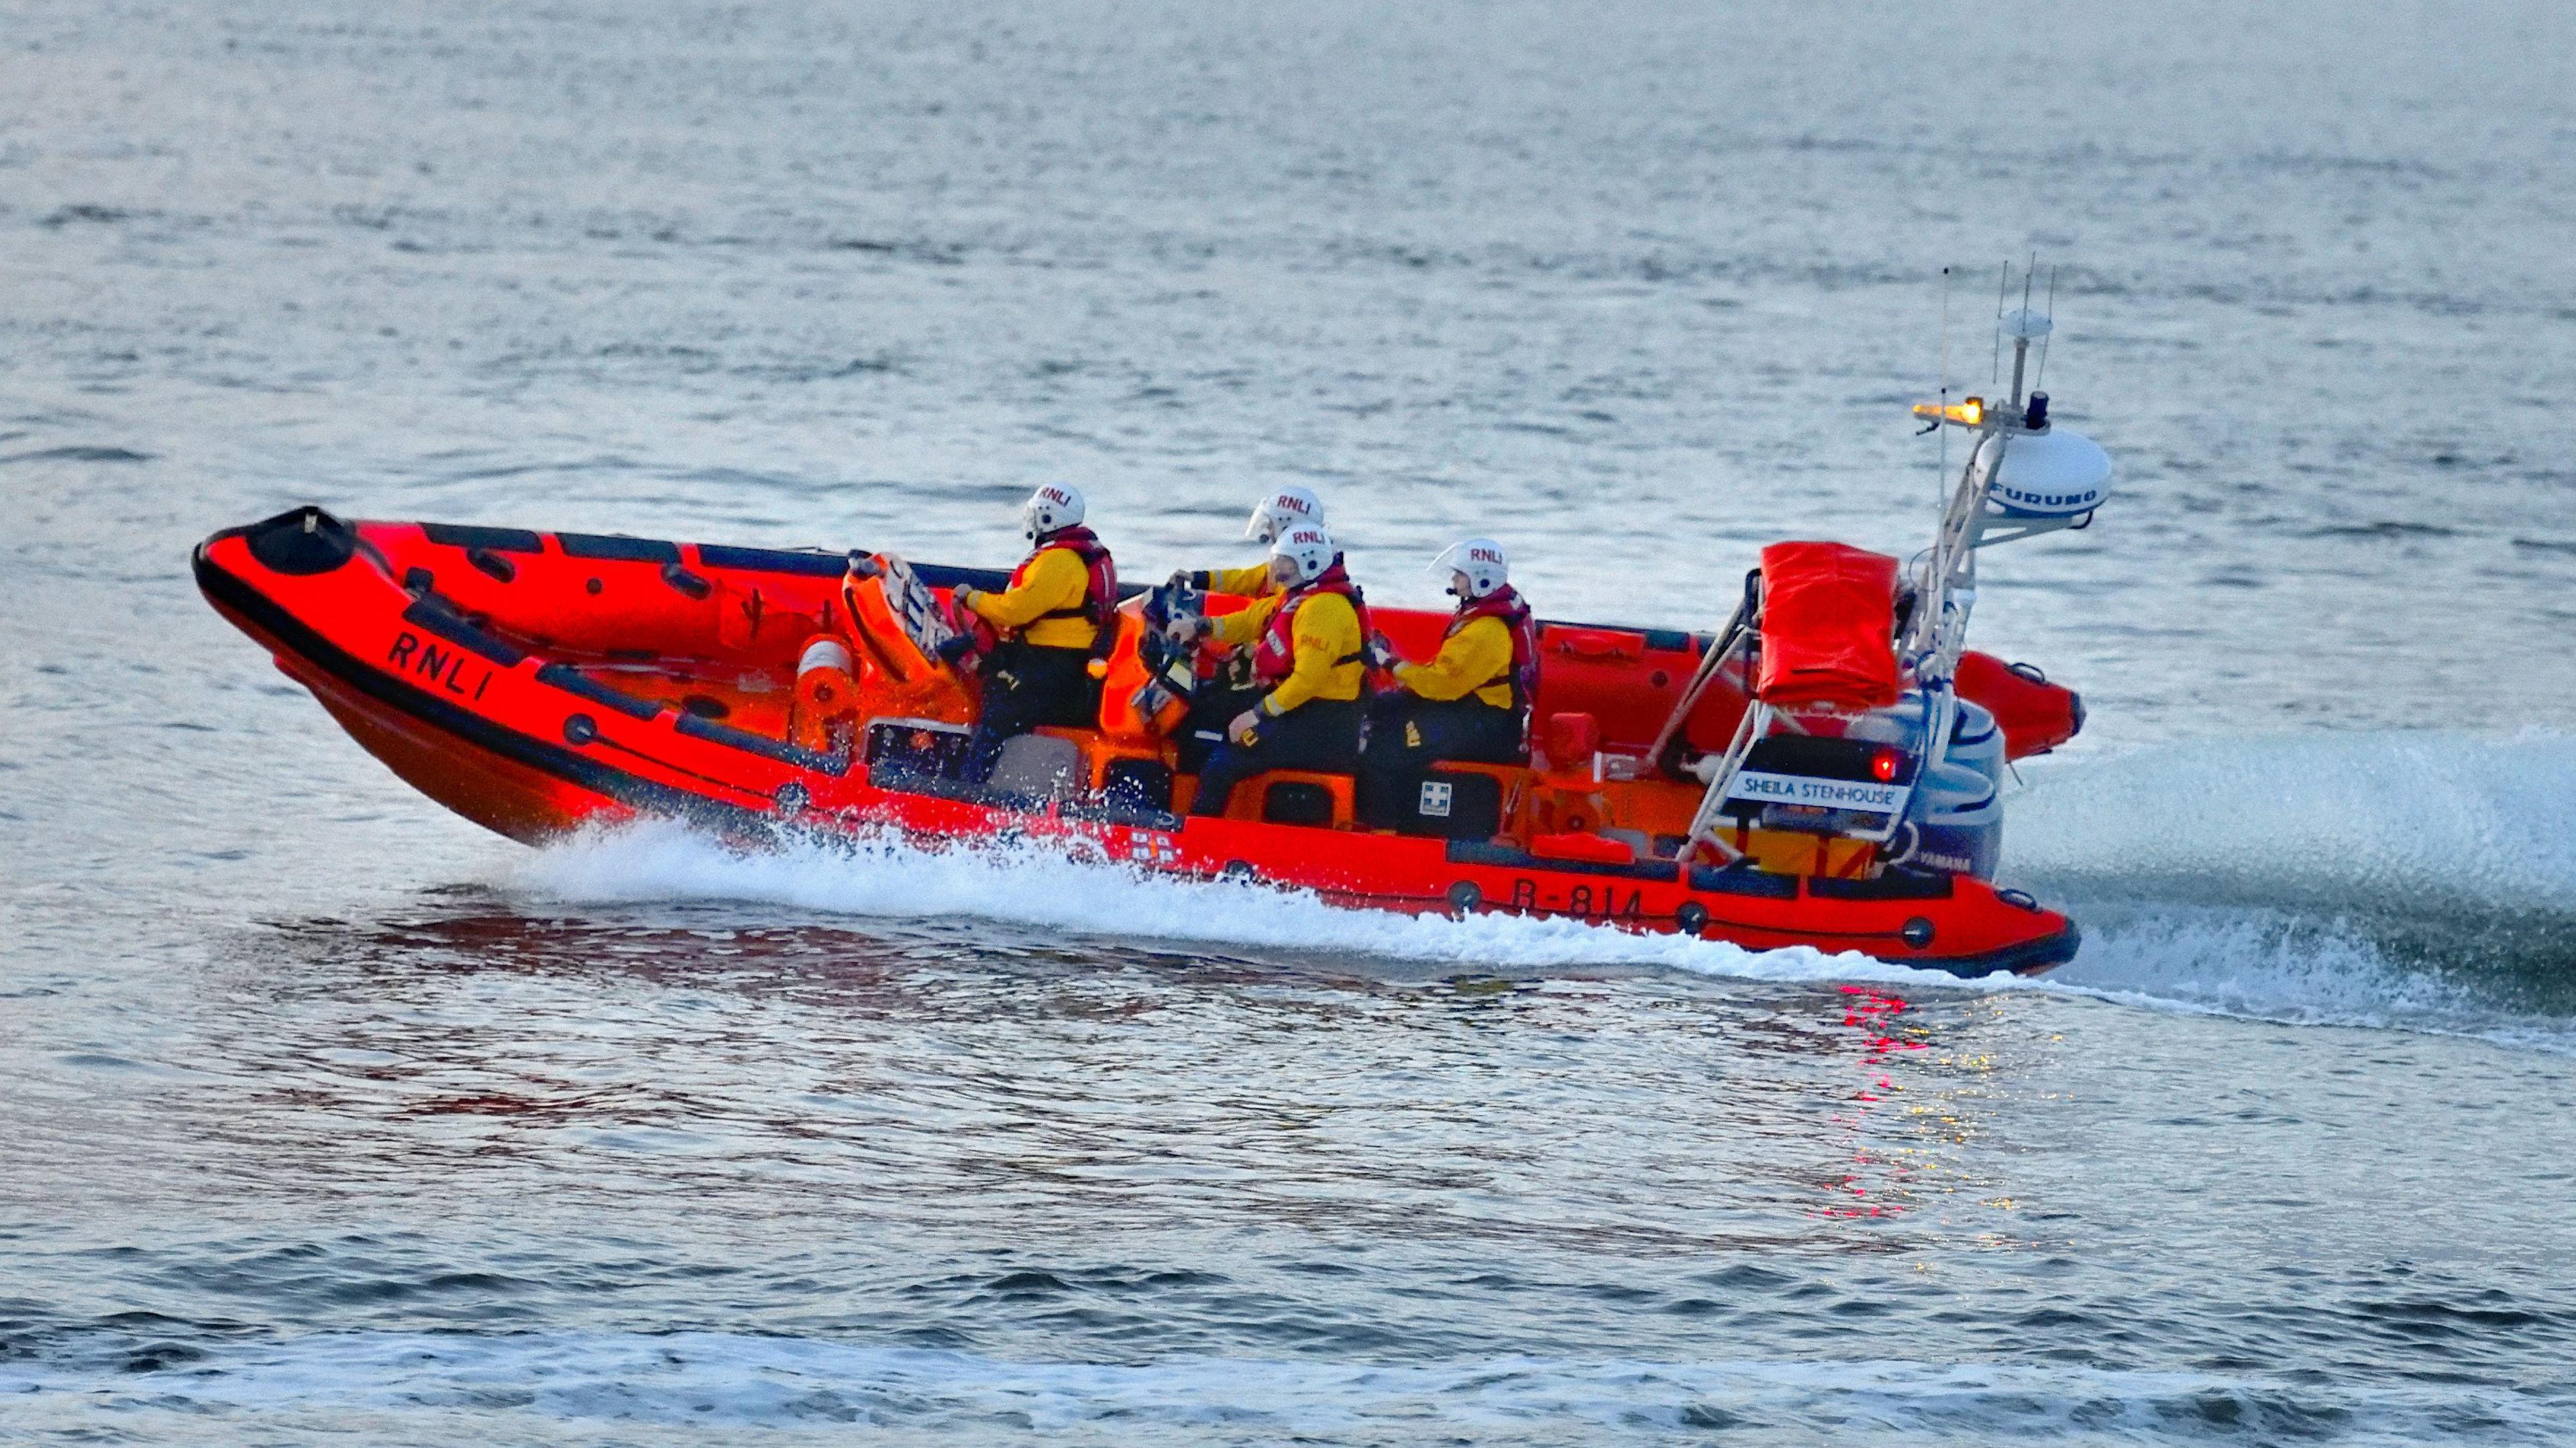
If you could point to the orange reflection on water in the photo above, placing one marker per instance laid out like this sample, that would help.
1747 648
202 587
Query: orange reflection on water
1874 1013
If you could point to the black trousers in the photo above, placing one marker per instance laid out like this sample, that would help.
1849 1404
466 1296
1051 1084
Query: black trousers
1408 732
1322 735
1026 686
1214 705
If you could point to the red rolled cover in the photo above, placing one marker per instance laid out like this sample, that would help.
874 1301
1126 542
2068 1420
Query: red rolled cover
1828 627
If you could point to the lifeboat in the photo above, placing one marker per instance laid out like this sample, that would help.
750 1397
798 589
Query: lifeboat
1821 772
539 682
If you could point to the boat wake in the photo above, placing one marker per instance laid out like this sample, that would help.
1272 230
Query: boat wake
2423 882
2425 822
1044 890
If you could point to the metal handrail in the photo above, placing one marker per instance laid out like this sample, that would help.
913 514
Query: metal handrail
1739 629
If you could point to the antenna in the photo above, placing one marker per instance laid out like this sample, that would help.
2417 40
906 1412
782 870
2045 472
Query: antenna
1941 468
2042 383
2001 282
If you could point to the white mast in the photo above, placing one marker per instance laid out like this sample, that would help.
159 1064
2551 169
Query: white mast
2055 480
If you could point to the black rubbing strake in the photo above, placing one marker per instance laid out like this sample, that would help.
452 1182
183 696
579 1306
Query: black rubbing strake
778 749
432 613
773 560
1898 883
500 540
1480 852
618 548
573 681
1743 879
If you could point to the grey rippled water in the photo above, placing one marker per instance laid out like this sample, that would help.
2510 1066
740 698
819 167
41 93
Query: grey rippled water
323 1116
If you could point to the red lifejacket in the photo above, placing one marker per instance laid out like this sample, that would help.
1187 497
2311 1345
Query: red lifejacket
1505 603
1100 592
1275 657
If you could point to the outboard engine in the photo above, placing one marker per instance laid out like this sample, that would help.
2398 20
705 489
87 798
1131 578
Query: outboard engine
1954 821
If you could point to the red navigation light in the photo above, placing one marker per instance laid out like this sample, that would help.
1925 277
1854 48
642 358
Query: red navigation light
1885 763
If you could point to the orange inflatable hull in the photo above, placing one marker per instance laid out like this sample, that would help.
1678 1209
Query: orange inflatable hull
536 683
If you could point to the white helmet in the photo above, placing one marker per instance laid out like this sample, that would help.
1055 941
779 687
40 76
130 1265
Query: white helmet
1482 563
1308 548
1282 510
1053 506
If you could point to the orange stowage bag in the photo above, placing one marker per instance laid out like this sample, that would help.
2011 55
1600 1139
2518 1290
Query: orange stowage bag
1828 626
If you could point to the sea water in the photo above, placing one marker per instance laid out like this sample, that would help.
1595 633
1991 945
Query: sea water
323 1115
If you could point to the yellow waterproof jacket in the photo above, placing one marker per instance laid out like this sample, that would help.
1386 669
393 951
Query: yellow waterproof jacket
1326 643
1251 582
1475 660
1056 579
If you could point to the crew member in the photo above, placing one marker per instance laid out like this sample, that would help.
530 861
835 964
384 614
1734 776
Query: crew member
1471 702
1308 644
1275 514
1227 689
1058 615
